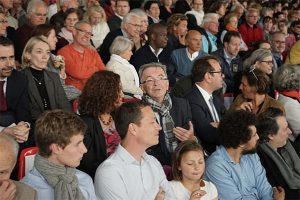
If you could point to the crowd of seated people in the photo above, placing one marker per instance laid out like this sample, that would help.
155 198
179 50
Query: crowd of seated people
128 99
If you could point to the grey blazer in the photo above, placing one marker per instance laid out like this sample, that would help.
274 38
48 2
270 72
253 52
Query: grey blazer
56 93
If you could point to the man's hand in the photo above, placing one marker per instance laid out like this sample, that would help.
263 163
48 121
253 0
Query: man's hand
7 190
160 195
20 132
184 134
278 193
215 124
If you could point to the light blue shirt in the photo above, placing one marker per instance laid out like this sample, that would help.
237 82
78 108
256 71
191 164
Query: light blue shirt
213 41
244 180
46 192
122 177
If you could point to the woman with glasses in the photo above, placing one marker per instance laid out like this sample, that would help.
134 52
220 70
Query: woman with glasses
5 30
255 86
262 59
101 96
44 87
121 52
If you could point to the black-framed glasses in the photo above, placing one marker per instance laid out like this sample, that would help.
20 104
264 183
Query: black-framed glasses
252 72
216 72
151 80
85 32
268 62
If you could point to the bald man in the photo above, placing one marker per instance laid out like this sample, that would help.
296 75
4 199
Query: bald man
9 189
182 59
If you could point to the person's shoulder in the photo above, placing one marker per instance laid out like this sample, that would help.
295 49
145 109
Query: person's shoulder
215 158
24 191
83 177
17 75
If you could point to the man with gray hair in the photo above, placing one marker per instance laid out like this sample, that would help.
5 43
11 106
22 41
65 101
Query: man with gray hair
172 113
81 61
36 14
211 26
10 189
130 28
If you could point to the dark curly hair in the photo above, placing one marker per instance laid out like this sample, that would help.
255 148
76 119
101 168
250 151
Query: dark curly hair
234 128
100 94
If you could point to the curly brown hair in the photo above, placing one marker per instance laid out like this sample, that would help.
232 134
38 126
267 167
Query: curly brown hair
100 94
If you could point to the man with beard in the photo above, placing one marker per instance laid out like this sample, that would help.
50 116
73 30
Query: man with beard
234 167
14 103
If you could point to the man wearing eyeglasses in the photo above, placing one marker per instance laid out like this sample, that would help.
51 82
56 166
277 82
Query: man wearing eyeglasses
277 41
81 61
251 33
36 14
172 113
207 108
130 28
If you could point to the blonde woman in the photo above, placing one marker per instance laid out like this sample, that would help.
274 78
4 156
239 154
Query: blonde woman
97 18
44 87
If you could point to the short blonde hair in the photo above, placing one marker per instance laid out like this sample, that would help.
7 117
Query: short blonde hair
29 47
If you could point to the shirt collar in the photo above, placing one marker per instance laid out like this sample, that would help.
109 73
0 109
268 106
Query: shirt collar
228 57
119 16
153 51
205 94
193 55
128 158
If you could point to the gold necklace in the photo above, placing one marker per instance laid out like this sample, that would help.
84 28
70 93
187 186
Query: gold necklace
106 122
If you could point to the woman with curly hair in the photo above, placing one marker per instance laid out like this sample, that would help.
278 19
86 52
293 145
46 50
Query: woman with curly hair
100 97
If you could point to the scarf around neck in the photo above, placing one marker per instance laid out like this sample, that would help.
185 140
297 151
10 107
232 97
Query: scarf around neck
62 179
287 161
166 122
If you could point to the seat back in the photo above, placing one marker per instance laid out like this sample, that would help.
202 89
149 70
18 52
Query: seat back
26 160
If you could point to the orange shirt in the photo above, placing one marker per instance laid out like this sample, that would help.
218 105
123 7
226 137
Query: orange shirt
80 66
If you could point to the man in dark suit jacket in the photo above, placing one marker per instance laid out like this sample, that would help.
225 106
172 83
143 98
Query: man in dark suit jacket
207 109
130 28
122 9
10 189
15 95
172 113
154 50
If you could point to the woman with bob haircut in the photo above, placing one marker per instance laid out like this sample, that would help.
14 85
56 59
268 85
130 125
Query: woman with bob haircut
101 96
121 52
44 87
188 166
56 63
287 83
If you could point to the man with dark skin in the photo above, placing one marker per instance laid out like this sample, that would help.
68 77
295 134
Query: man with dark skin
155 50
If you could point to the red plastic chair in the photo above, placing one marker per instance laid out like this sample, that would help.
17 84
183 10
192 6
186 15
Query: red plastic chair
26 161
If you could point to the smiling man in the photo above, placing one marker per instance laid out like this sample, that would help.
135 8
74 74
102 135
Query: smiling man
172 113
81 61
59 137
130 173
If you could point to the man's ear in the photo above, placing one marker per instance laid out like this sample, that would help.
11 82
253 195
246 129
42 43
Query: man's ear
132 129
143 88
55 148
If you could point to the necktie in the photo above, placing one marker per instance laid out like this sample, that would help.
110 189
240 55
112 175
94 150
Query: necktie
213 110
3 106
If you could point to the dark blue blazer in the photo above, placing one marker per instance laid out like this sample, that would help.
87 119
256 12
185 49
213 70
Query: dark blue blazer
202 118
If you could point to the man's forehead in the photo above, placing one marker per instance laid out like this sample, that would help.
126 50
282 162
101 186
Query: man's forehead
150 71
6 50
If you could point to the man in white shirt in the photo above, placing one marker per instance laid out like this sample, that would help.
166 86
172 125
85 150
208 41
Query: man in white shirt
130 173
